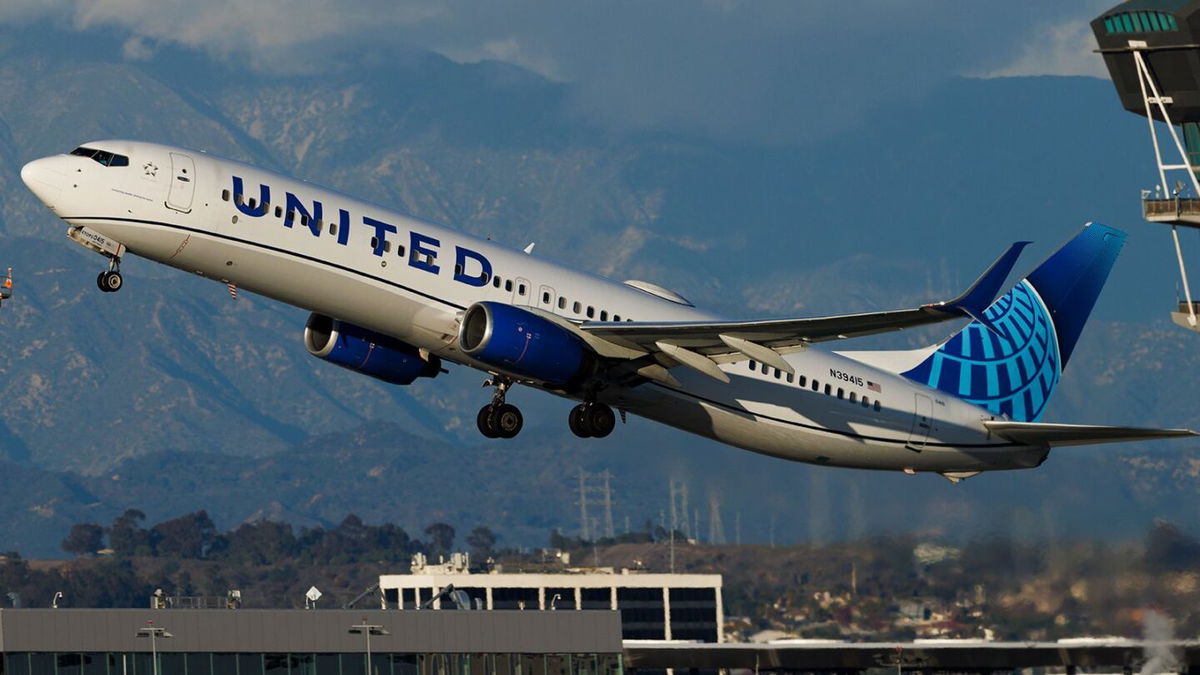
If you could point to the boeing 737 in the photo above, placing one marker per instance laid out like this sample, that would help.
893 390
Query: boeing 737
396 298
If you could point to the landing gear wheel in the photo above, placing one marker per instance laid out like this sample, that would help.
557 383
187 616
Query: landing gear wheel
507 420
100 282
600 420
486 422
578 421
110 282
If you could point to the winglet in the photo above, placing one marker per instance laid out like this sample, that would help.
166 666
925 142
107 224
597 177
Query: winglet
983 292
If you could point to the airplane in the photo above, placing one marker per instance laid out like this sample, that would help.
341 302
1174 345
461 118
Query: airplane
395 298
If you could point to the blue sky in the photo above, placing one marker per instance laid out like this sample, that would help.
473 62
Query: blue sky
768 71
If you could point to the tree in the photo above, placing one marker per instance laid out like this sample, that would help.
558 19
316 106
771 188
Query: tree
441 537
84 539
127 537
482 541
188 536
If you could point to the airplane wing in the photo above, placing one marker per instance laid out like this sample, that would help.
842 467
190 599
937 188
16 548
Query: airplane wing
701 345
1056 435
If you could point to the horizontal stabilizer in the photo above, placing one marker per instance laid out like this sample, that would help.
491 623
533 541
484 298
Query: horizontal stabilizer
1054 435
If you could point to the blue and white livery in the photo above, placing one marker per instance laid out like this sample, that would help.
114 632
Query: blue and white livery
397 298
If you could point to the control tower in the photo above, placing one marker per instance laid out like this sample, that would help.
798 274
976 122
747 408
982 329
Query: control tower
1152 50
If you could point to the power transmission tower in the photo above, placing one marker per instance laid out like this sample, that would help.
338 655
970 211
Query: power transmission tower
716 530
595 489
679 508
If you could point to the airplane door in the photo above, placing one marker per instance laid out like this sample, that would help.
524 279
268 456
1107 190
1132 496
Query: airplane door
183 183
545 298
522 291
922 423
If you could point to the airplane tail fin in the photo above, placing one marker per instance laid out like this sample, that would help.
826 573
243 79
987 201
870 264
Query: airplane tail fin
1010 358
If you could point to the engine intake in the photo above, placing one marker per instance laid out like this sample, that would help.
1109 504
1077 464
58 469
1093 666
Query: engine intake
524 344
367 352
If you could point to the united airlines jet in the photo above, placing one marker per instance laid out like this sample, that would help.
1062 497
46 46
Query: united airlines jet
396 298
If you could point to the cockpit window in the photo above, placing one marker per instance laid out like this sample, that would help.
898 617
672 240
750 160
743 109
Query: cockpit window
104 157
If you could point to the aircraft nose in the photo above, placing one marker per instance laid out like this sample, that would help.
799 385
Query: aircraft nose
44 179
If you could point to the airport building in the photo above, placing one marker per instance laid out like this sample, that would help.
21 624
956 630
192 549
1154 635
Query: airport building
652 606
306 642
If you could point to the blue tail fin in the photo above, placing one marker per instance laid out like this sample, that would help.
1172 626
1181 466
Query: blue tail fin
1011 361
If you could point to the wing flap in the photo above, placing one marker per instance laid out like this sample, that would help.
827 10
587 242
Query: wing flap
1058 435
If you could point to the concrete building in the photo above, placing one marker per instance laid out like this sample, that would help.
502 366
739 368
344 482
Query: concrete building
652 606
306 642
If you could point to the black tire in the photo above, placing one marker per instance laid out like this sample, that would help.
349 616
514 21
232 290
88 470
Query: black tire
112 281
486 422
600 420
507 421
578 422
100 282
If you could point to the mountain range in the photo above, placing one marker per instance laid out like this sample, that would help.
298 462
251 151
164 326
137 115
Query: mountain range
171 397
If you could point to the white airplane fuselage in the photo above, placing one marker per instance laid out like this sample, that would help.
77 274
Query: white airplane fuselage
411 279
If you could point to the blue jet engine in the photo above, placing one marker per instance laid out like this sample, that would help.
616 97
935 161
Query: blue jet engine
367 352
524 344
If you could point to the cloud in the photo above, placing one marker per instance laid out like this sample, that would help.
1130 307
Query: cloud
768 71
1065 48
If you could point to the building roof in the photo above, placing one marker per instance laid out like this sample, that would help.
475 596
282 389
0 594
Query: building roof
310 631
518 580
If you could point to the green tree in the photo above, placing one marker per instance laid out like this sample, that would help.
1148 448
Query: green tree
84 539
441 537
187 536
127 537
482 541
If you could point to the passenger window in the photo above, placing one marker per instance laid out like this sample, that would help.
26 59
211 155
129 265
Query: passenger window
828 390
576 307
778 373
387 248
790 378
853 397
333 229
400 253
604 315
253 204
616 317
224 195
876 405
545 298
841 393
508 285
496 282
562 302
753 366
374 242
521 290
303 218
278 211
237 199
803 381
591 313
866 402
119 160
816 387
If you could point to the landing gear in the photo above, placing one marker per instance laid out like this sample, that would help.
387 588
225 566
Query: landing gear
592 420
110 280
499 419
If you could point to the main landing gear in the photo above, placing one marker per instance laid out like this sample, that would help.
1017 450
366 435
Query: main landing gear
499 419
592 420
110 280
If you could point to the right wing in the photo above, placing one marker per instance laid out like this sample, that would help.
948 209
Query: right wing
701 345
1055 435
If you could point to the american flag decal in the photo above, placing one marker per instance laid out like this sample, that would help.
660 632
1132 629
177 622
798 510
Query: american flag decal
874 386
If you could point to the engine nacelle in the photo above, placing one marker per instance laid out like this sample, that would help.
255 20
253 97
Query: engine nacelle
524 344
367 352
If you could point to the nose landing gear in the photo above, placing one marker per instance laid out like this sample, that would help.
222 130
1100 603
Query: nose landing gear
499 419
110 280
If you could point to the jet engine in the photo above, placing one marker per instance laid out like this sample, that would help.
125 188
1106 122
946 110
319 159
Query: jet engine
524 344
367 352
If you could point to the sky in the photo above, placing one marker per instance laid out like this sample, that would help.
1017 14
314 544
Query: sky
768 71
